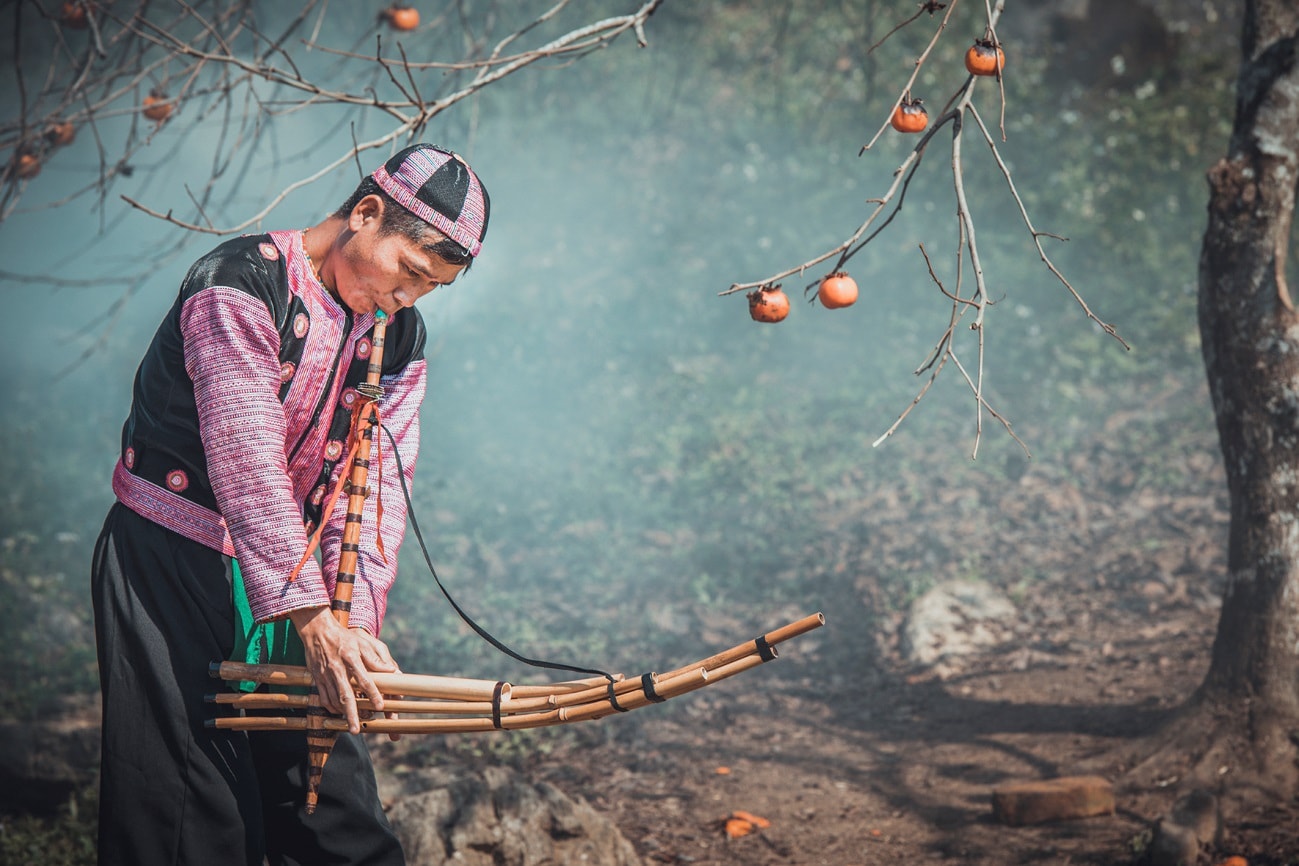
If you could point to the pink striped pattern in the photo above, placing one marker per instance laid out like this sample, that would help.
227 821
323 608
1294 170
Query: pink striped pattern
231 354
232 351
174 512
404 186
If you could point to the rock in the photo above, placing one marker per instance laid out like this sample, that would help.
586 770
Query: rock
497 818
44 761
954 619
1061 799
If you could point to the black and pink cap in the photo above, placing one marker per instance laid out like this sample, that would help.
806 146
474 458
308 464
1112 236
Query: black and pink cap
439 187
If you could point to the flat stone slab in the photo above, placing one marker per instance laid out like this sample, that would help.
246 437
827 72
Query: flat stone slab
1062 799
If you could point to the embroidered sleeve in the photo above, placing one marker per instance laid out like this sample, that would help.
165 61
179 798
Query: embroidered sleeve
231 354
399 412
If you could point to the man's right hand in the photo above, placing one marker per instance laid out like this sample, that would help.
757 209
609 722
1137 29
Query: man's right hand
336 656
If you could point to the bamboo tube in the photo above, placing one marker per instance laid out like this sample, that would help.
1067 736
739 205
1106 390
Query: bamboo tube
534 690
320 742
593 693
276 700
358 486
408 685
334 724
770 639
663 688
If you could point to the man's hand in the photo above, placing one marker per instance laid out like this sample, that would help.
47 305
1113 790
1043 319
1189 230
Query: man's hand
377 658
337 655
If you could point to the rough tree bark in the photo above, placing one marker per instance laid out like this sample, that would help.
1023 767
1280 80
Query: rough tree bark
1250 337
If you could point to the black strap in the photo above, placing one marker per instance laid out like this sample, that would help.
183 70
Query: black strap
766 651
647 686
479 630
496 704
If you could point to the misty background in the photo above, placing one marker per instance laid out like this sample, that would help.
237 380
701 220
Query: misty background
620 469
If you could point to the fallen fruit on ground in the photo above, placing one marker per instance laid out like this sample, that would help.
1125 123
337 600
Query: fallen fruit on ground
837 290
756 820
740 823
768 304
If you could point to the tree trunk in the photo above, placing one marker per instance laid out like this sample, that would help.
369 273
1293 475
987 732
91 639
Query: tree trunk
1250 337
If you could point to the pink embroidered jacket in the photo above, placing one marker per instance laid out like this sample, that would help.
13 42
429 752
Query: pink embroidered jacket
240 414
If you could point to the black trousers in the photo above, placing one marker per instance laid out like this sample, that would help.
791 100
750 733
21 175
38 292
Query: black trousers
173 791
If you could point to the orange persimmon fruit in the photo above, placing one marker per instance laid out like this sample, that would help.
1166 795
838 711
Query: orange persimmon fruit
1234 861
985 57
74 15
27 165
768 304
401 17
837 290
910 116
61 133
157 107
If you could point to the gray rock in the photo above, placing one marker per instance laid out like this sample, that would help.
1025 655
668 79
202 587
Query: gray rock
956 619
497 818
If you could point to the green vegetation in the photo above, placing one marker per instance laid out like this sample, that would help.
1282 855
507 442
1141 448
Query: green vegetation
67 839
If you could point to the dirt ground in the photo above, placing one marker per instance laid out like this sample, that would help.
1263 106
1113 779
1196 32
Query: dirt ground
856 757
877 767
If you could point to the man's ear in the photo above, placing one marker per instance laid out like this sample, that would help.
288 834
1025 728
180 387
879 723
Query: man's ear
368 208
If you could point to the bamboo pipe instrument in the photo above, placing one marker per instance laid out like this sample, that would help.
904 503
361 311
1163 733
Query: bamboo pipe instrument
562 706
459 688
358 485
320 740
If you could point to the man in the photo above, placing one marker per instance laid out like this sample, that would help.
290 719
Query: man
240 416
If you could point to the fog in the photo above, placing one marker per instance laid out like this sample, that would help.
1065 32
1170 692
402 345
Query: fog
592 322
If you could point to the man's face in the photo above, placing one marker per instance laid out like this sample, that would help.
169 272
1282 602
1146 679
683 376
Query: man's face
377 271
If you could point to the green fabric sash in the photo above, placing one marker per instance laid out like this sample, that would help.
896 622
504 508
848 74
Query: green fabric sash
256 643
